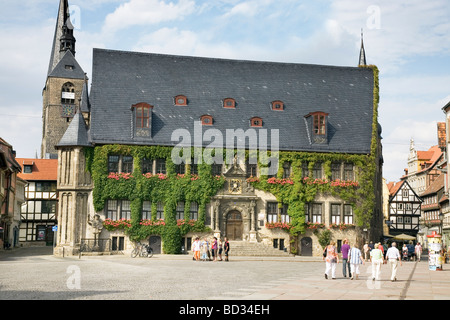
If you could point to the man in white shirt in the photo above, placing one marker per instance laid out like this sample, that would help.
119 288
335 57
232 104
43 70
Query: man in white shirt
393 256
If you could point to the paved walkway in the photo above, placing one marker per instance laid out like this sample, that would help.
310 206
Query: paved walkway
415 280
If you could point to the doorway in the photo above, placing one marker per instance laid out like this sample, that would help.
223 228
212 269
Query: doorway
234 225
306 246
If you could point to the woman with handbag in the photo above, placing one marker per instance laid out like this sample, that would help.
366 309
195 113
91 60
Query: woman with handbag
376 257
331 260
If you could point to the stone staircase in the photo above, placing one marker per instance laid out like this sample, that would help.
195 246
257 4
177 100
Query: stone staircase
256 249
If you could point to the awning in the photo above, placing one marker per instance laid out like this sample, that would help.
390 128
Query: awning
404 237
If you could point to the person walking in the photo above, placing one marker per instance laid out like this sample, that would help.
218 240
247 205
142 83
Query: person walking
355 259
366 249
196 249
345 263
376 257
219 252
331 260
205 249
214 249
393 257
418 250
226 248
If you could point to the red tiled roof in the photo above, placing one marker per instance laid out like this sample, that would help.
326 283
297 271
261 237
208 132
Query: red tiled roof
43 169
435 186
393 187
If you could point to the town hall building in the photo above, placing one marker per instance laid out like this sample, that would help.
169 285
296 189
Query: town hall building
163 149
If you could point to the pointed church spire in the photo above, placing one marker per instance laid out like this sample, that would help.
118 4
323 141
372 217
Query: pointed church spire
63 38
362 52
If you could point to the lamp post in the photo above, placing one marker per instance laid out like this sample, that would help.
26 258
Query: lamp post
441 220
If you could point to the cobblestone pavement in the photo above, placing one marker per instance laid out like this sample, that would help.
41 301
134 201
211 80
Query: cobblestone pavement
34 274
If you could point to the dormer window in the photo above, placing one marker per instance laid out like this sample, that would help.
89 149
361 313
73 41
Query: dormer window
206 120
256 122
180 100
277 105
229 103
320 123
317 123
142 111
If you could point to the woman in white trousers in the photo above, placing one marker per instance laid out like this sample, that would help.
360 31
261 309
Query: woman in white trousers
331 259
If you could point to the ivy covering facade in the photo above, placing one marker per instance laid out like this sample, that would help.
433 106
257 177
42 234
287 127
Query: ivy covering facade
171 188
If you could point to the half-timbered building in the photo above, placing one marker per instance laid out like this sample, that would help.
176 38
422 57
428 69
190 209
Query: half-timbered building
404 209
434 202
39 212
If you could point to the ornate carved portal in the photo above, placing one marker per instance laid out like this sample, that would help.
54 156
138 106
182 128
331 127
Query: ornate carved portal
234 208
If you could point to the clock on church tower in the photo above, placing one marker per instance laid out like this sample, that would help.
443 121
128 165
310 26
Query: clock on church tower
67 110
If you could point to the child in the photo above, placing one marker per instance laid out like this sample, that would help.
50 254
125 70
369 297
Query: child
205 249
196 249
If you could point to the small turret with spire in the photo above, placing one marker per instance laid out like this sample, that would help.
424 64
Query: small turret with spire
362 52
67 40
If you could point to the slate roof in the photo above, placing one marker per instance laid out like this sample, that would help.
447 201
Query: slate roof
121 79
77 134
61 18
60 70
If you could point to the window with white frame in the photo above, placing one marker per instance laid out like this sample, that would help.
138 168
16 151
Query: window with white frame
193 211
316 213
146 210
118 209
117 163
180 210
348 214
160 210
272 212
336 213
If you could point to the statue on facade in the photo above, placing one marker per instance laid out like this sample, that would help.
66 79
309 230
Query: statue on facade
97 224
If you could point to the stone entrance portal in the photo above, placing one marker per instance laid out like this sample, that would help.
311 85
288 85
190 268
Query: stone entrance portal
234 225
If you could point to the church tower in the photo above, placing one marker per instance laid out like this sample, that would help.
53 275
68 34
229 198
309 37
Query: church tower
65 86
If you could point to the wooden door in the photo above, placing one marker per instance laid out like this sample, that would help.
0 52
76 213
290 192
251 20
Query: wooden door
234 225
306 246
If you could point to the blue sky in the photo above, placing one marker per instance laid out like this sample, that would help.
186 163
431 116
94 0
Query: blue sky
408 40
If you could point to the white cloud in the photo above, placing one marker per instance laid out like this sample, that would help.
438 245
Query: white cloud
404 29
146 12
249 8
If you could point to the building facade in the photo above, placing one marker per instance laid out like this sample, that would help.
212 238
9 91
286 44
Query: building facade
175 147
12 195
65 87
39 212
404 210
446 209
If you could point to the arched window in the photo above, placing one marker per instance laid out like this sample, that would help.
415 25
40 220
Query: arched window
256 122
277 105
180 100
206 120
229 103
68 93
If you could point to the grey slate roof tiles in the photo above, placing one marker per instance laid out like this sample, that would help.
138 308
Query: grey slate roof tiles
67 67
76 134
121 79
